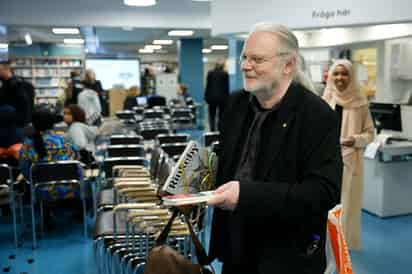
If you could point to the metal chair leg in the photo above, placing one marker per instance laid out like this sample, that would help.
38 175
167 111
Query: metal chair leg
41 219
13 210
84 218
33 226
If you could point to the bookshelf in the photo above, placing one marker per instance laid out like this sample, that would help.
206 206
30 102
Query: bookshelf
48 75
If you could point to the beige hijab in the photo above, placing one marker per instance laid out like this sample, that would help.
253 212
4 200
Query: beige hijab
350 97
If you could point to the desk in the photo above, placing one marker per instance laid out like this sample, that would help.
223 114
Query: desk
388 181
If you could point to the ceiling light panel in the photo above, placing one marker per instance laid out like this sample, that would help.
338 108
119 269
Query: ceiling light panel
65 31
76 41
139 3
219 47
162 42
180 33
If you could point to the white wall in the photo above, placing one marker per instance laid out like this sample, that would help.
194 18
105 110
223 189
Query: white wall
298 14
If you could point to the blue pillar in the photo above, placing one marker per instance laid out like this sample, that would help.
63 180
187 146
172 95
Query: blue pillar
235 73
191 70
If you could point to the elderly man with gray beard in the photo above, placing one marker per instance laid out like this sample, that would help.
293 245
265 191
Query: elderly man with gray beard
280 166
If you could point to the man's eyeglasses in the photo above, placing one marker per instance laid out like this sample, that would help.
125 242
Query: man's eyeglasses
258 60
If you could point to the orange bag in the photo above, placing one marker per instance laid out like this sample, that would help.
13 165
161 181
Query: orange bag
337 251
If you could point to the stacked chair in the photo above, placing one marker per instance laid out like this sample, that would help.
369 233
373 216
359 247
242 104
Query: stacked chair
125 231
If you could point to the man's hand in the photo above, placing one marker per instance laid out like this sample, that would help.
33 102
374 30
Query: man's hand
226 196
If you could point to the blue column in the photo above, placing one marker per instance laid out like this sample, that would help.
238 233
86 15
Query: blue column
235 73
191 70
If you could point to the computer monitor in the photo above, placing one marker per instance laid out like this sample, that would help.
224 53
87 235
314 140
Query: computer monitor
386 116
141 100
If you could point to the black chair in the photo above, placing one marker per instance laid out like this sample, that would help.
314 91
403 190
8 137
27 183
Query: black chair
172 138
210 137
60 172
125 115
174 149
109 163
125 151
156 101
153 114
7 195
139 110
125 140
151 133
156 157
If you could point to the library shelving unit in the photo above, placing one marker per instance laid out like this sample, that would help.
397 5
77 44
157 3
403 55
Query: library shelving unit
48 75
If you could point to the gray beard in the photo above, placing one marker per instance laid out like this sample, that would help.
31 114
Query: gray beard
265 93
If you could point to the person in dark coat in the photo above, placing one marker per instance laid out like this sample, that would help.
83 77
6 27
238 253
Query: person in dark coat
12 93
280 165
216 93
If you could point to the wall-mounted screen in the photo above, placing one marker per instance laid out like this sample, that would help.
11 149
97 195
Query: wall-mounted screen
116 72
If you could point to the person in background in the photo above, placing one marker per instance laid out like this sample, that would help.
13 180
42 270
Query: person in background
279 160
147 82
89 101
46 146
131 99
10 144
216 93
342 93
12 93
74 87
90 82
81 134
182 94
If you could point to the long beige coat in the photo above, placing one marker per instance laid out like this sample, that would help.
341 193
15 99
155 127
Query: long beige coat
356 122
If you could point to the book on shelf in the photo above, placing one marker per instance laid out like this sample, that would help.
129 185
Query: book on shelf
187 198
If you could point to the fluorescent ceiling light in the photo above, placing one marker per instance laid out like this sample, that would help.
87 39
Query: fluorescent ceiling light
180 33
65 31
3 46
73 41
242 35
139 3
145 50
153 47
28 39
219 47
206 50
162 42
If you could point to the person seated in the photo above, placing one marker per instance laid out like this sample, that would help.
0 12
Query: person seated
81 134
46 146
182 94
132 99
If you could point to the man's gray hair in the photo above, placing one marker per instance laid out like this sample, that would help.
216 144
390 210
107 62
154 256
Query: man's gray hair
289 45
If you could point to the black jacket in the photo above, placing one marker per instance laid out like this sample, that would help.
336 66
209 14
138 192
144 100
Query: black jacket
13 93
296 182
217 87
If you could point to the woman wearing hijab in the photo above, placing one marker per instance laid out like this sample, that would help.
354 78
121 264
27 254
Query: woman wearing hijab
342 93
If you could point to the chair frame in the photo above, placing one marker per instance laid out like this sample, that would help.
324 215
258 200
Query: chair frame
77 179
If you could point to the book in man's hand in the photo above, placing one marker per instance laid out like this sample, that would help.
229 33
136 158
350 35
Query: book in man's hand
187 199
